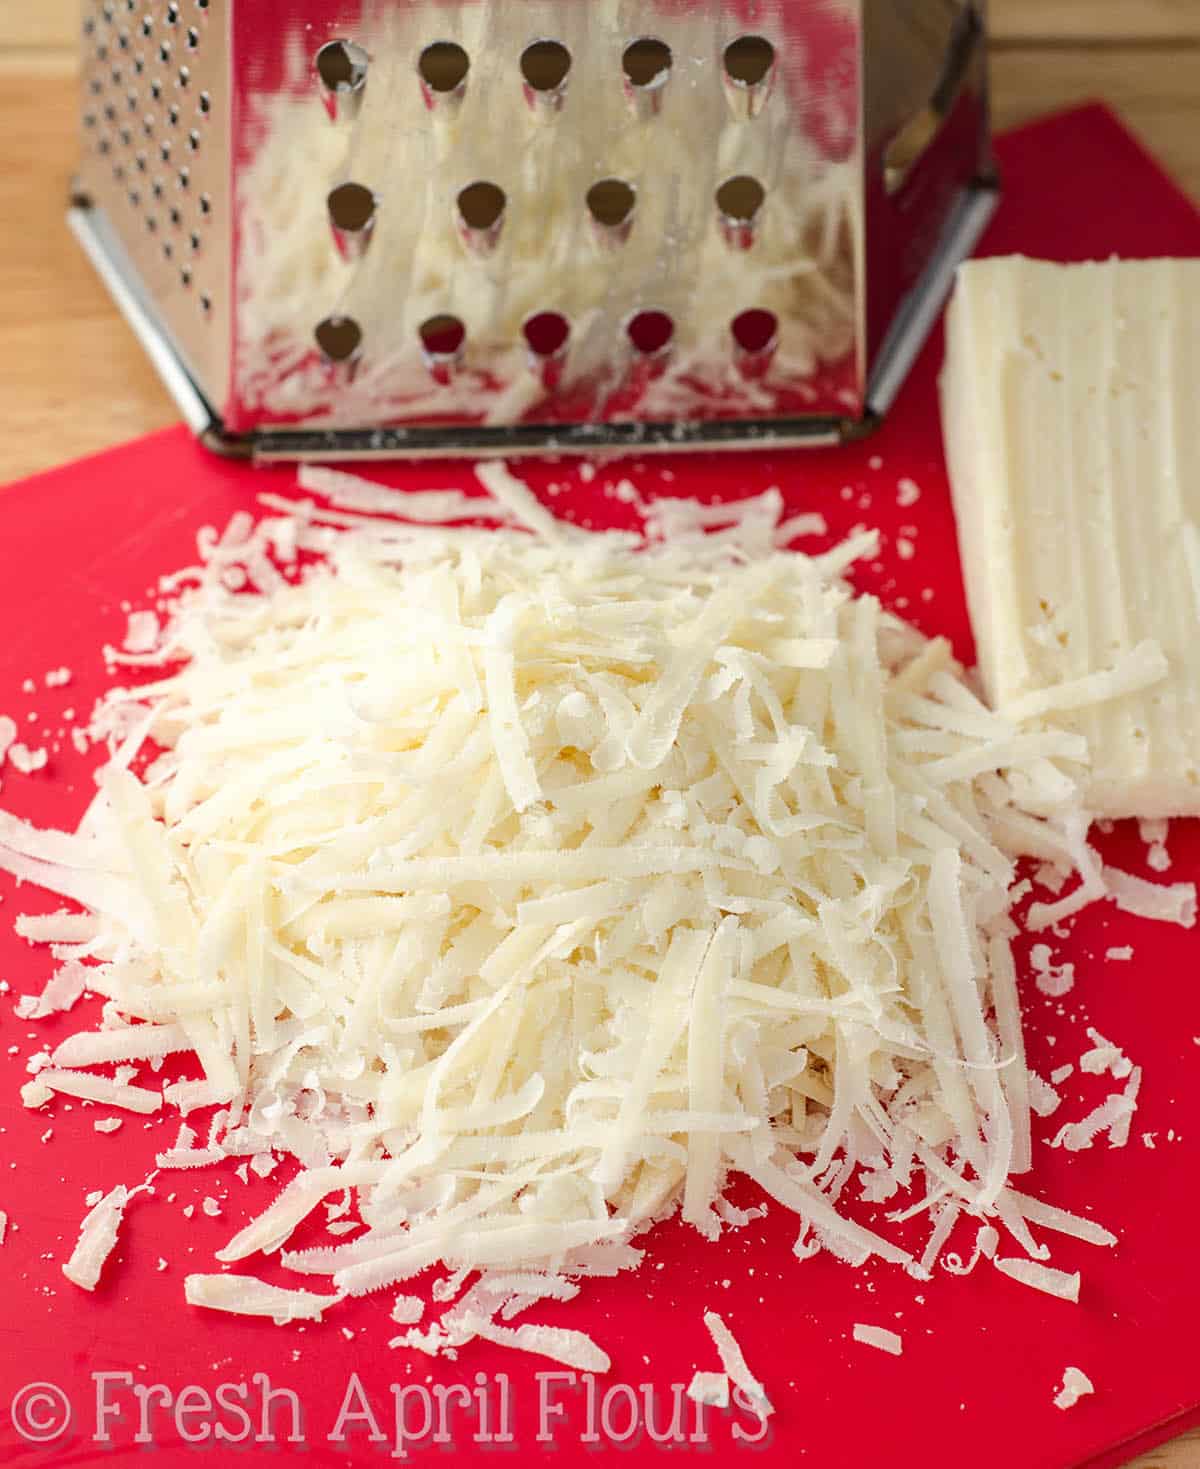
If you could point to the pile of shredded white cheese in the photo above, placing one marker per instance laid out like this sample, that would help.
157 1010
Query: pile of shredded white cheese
529 883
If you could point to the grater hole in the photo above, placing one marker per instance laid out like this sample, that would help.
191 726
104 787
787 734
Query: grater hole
164 151
755 331
650 332
139 65
185 178
185 76
116 76
205 103
339 338
104 146
156 90
135 198
611 202
151 224
194 241
95 86
175 216
443 66
110 112
342 66
545 65
193 38
164 51
748 60
148 125
546 333
156 188
147 26
647 62
125 136
442 335
131 101
193 140
185 277
205 203
168 250
741 198
172 14
173 115
206 304
141 163
123 41
481 205
351 208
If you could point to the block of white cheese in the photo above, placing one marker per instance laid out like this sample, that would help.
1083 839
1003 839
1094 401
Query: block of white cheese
1071 413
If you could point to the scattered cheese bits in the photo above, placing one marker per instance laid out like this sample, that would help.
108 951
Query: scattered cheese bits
1076 1385
22 758
879 1337
97 1239
246 1295
8 735
3 1226
1041 1277
711 1389
526 884
1164 903
734 1363
408 1310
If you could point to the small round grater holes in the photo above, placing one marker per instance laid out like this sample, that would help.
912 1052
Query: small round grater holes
193 140
95 86
116 76
443 341
157 189
481 207
339 339
173 115
185 178
201 4
739 203
547 335
172 14
89 26
110 112
164 51
185 277
611 201
156 90
650 332
174 215
194 241
164 151
147 26
205 102
131 101
185 76
141 163
749 60
104 146
351 206
148 125
342 69
647 62
443 68
125 136
193 38
123 41
205 203
102 52
139 65
545 65
108 11
206 304
89 119
168 250
749 72
135 198
152 224
119 172
755 336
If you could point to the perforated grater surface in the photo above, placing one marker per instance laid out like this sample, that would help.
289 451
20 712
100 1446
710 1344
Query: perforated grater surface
380 227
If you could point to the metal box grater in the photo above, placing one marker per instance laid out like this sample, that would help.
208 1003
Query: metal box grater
387 227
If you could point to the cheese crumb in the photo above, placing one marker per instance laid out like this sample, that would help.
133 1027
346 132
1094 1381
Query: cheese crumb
1076 1385
879 1337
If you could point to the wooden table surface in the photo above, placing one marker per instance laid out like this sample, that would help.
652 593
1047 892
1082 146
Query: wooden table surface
73 380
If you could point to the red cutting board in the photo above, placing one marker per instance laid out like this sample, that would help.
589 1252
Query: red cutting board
983 1357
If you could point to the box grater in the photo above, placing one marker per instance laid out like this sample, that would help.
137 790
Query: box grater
384 227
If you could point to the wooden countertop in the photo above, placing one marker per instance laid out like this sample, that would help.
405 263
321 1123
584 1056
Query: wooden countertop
73 380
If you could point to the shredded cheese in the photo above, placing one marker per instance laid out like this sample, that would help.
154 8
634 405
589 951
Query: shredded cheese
527 884
879 1337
